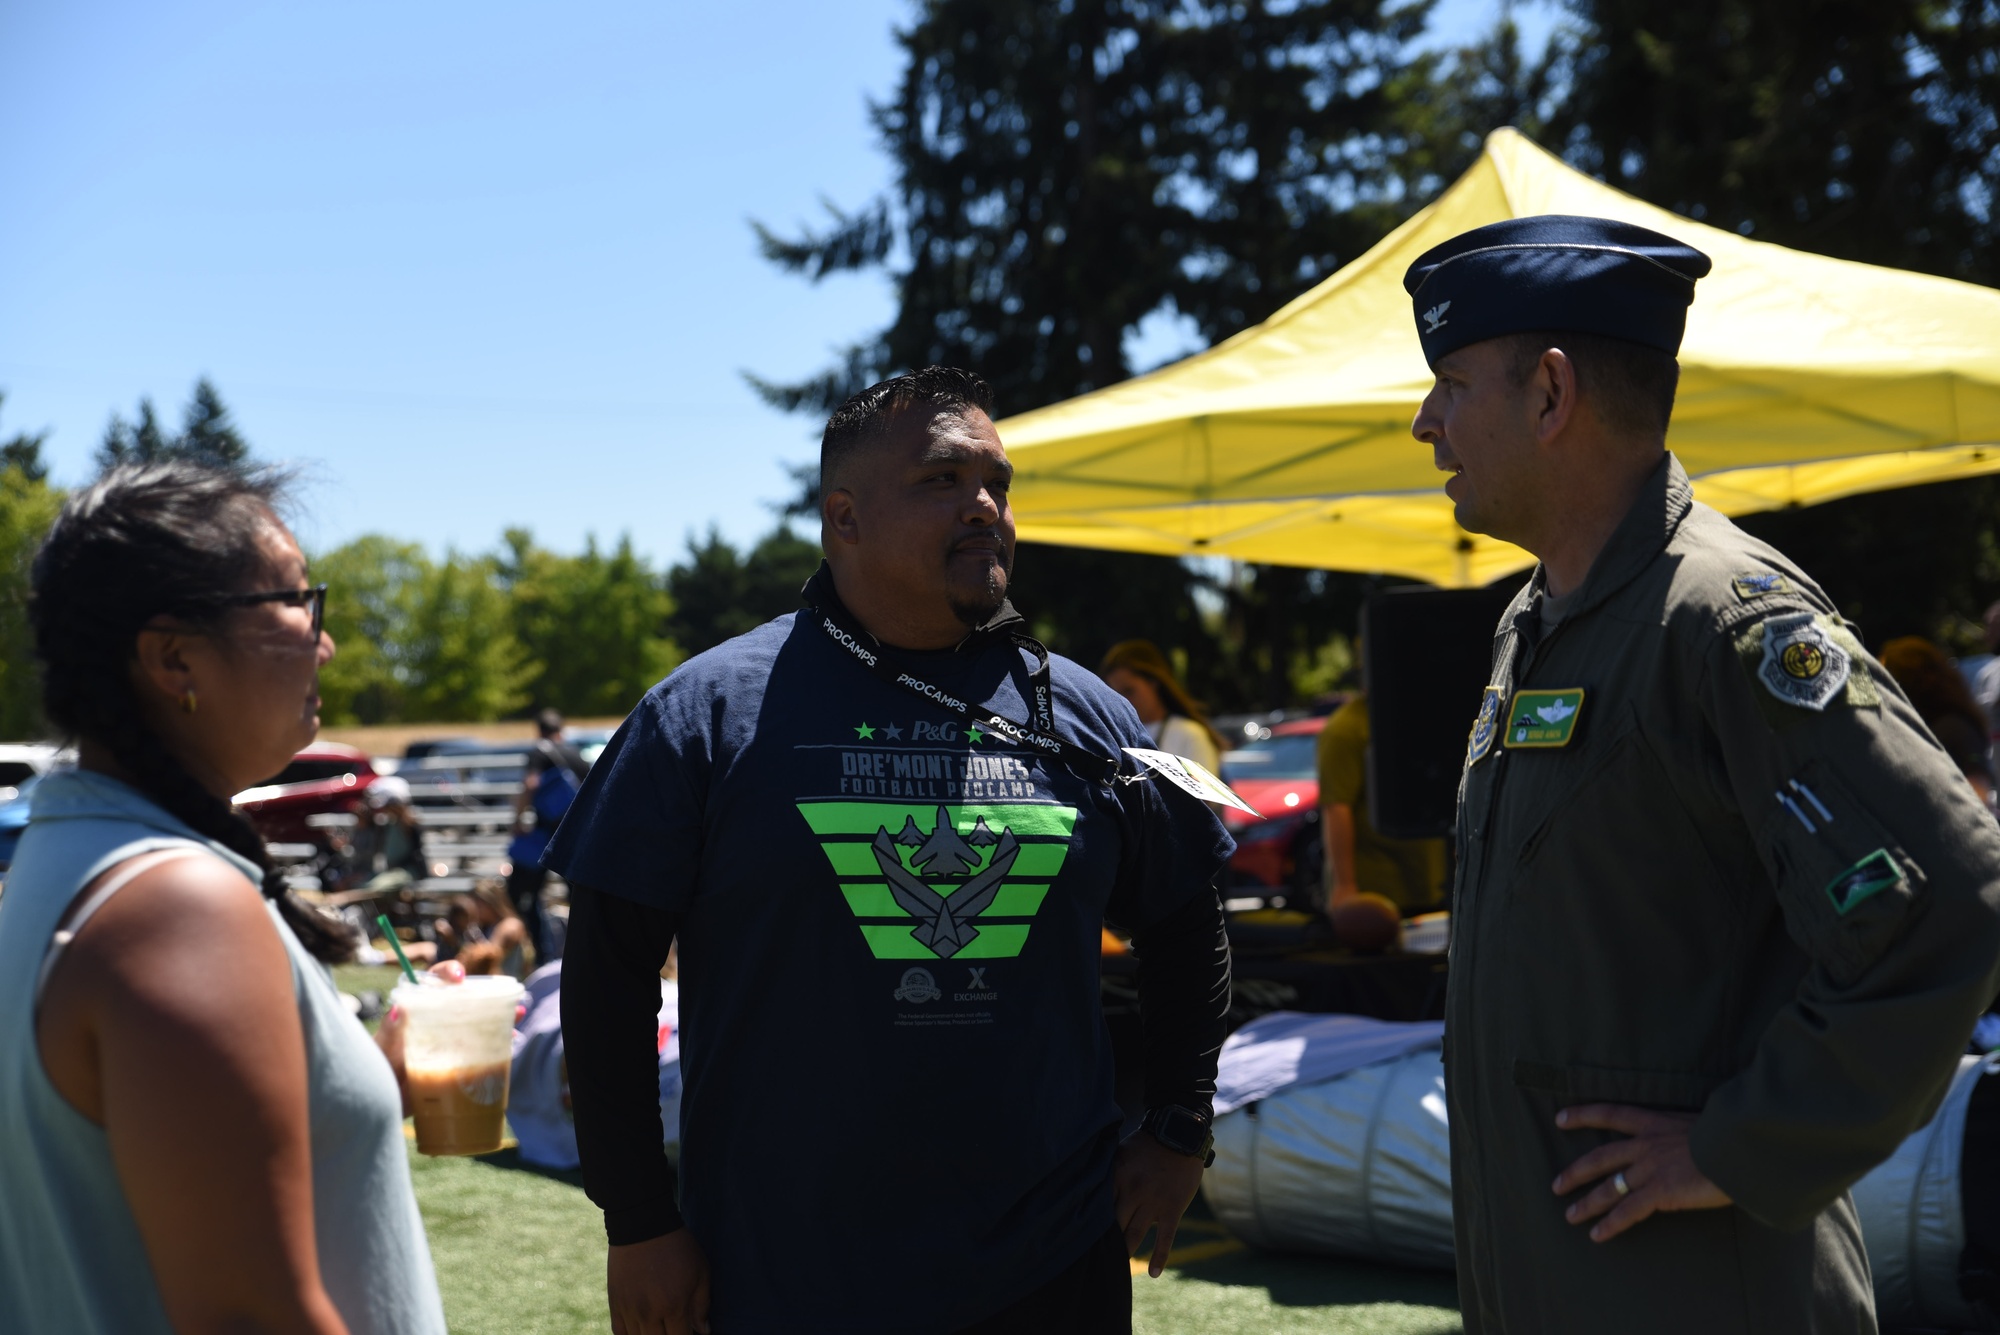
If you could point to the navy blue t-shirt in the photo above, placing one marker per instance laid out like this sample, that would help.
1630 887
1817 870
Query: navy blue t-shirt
898 1110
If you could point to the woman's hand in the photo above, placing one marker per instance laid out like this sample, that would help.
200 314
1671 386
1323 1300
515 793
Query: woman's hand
390 1036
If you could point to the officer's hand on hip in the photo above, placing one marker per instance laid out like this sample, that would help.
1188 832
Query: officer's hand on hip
1652 1171
659 1286
1153 1187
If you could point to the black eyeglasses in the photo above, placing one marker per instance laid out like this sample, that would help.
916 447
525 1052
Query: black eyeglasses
316 595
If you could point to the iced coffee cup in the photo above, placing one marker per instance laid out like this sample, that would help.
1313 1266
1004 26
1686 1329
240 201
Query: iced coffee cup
457 1048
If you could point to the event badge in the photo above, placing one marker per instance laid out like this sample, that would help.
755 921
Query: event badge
1186 775
1543 719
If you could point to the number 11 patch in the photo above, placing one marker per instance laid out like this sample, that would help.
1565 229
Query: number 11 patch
1542 719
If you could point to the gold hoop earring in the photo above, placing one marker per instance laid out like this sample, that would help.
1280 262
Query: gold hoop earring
187 703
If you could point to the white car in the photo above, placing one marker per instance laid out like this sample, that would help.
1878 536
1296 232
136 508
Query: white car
21 761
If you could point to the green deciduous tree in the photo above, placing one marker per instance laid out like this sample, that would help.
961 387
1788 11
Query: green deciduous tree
461 656
28 506
594 626
418 639
23 451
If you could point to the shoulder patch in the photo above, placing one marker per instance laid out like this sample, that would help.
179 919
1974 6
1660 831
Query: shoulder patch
1801 665
1484 727
1760 584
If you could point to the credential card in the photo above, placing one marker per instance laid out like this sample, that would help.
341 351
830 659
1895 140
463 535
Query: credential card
1190 777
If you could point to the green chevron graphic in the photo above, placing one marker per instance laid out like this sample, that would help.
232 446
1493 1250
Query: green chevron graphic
943 882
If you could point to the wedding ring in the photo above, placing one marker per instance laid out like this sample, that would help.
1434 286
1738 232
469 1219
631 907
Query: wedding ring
1620 1185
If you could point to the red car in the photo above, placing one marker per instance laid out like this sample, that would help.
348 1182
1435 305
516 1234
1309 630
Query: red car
1278 774
324 778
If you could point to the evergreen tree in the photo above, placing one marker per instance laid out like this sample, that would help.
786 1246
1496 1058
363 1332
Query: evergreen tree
721 593
1064 170
207 434
1863 129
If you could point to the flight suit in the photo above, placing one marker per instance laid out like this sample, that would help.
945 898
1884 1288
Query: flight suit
1709 860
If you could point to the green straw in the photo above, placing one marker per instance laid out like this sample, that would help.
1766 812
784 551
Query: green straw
382 921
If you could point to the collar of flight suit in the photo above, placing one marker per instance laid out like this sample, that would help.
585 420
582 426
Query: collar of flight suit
1663 502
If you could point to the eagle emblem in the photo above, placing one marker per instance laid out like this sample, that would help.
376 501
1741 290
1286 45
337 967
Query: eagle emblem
1434 317
944 922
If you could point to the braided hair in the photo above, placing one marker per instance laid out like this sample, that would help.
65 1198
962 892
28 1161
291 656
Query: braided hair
146 539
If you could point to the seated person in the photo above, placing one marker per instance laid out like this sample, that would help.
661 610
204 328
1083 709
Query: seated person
386 850
482 932
538 1100
1366 870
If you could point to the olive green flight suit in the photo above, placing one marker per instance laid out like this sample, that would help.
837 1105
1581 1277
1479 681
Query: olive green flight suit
1651 913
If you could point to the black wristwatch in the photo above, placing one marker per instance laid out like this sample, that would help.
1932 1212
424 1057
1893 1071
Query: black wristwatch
1182 1130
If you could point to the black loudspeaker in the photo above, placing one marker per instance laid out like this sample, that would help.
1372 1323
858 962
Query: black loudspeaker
1426 656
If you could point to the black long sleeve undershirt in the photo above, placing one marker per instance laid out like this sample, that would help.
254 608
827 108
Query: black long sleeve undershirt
610 1020
1184 1003
610 1015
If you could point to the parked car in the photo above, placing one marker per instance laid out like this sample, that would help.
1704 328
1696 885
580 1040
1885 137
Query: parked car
1279 855
21 761
325 778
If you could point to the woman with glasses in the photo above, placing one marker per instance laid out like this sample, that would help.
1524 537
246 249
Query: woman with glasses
195 1134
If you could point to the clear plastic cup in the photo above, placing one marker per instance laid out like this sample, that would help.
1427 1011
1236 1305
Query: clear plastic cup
458 1045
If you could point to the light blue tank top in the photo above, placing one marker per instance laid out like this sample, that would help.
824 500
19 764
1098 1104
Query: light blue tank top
71 1257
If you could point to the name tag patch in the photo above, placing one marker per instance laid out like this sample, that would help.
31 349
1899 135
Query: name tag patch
1543 719
1484 728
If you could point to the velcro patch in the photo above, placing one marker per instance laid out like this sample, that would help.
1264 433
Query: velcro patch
1760 584
1484 727
1542 719
1801 664
1867 878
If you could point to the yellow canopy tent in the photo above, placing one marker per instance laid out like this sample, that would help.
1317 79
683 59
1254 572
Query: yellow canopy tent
1803 379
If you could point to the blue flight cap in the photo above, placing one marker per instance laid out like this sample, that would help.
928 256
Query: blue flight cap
1554 271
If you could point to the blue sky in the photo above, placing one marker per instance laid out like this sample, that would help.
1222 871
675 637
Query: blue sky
474 265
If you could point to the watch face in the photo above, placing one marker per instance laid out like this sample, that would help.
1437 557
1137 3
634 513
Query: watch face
1179 1130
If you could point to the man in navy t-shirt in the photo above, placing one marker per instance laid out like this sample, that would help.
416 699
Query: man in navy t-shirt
886 831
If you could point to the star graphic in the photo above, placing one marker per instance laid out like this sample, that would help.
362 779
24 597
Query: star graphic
893 732
973 734
864 732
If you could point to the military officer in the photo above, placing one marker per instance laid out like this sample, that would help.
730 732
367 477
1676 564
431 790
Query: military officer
1724 912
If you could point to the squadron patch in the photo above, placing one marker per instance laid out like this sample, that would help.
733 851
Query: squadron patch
1760 584
1801 664
1485 727
1864 880
1543 719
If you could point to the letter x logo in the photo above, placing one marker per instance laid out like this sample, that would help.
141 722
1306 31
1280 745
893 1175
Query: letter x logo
977 982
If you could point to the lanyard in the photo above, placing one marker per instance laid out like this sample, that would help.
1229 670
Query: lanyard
1039 734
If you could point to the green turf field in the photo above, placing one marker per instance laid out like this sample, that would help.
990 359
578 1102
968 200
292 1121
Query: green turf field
520 1251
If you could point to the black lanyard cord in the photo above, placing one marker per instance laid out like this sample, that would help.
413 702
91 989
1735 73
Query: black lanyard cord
1040 735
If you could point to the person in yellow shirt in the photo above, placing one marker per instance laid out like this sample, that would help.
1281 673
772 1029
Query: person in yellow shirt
1409 873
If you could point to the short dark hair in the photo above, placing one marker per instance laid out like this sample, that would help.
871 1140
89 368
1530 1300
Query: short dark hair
862 418
1631 385
549 722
